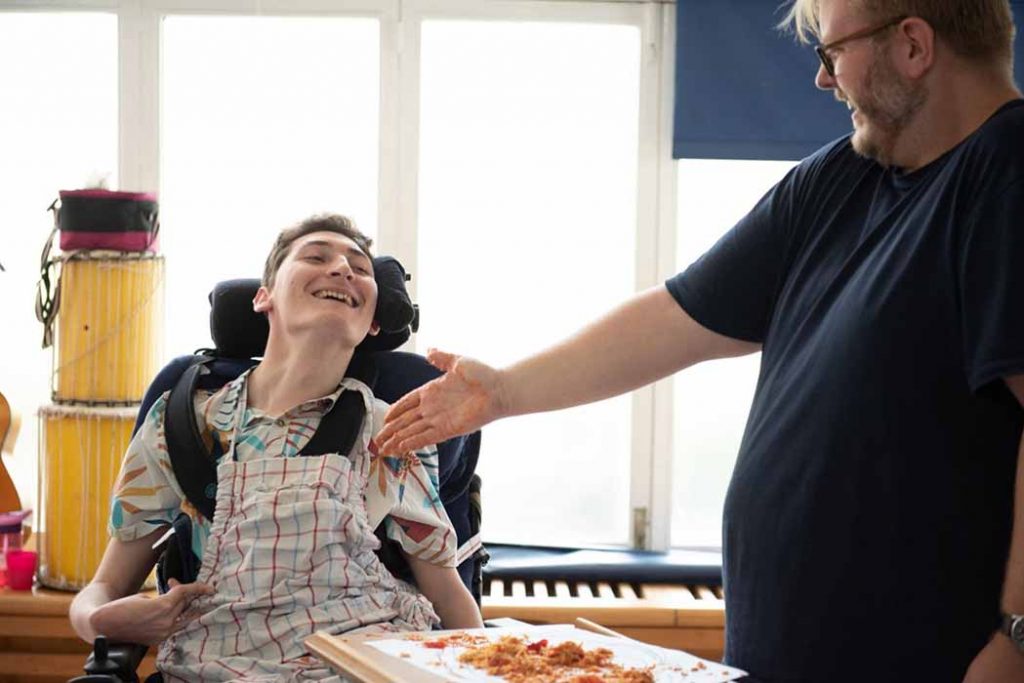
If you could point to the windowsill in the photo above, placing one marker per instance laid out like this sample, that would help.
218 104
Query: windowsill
671 599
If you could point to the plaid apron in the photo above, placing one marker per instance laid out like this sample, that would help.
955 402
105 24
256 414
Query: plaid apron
290 552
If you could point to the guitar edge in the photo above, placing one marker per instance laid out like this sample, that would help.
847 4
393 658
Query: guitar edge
9 425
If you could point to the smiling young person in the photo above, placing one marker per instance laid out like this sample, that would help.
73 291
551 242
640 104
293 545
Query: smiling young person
290 548
870 531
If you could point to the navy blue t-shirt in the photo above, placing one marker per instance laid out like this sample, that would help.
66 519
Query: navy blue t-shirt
867 522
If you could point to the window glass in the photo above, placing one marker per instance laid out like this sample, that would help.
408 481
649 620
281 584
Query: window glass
58 131
266 120
711 400
527 222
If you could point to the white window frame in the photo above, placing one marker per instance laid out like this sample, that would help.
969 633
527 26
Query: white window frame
139 159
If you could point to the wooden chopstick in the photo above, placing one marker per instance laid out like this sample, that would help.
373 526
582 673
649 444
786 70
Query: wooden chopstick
588 625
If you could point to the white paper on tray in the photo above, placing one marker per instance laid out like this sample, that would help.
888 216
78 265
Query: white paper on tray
669 666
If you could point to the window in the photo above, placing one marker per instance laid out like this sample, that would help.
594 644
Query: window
528 138
58 130
266 120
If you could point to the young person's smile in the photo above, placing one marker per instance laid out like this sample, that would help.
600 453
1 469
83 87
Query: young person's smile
337 295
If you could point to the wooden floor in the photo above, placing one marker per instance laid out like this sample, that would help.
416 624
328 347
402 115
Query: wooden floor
37 644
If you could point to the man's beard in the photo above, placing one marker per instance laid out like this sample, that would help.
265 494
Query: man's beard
888 105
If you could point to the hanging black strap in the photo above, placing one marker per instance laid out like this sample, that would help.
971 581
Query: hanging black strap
340 427
195 467
47 292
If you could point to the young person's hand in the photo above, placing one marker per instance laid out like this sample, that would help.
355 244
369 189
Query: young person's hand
468 396
148 620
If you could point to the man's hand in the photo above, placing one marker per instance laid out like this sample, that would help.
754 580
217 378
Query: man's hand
466 397
142 619
998 662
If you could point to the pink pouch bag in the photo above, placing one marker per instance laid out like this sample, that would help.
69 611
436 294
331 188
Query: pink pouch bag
103 219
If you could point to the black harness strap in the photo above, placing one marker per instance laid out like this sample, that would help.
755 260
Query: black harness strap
195 467
340 427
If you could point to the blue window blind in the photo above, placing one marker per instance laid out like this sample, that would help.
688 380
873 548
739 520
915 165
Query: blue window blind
745 90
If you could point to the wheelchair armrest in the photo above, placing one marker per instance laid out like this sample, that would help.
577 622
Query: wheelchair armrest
112 662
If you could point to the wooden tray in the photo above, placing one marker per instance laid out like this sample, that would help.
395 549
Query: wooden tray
351 656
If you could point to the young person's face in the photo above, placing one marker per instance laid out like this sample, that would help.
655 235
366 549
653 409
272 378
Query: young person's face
325 281
882 101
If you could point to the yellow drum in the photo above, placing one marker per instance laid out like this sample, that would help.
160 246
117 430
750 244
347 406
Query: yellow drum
109 326
80 453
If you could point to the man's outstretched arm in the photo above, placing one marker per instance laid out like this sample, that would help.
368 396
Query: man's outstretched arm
643 340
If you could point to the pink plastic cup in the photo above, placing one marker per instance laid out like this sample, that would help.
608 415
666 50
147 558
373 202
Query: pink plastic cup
21 569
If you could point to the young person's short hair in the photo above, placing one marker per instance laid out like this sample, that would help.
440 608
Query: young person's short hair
978 30
325 222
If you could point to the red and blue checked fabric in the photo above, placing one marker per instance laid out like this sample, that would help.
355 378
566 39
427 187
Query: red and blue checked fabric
290 552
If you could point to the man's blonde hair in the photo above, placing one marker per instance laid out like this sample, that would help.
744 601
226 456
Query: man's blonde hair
981 31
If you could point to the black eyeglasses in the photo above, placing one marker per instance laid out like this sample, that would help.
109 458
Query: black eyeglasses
822 50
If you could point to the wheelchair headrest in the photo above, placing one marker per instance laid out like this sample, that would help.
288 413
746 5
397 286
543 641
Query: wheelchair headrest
240 332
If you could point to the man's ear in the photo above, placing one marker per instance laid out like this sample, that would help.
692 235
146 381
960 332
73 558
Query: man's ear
261 302
917 47
374 329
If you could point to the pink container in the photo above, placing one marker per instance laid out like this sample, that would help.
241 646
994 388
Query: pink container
21 569
102 219
11 537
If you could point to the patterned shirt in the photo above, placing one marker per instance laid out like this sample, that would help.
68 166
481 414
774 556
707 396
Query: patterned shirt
401 491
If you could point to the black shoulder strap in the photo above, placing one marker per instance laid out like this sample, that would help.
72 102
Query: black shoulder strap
340 427
192 463
195 468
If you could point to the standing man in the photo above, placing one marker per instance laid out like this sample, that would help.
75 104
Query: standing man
870 531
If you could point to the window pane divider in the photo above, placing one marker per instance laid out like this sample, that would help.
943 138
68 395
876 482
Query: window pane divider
588 11
352 8
60 5
400 144
138 98
651 468
664 408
